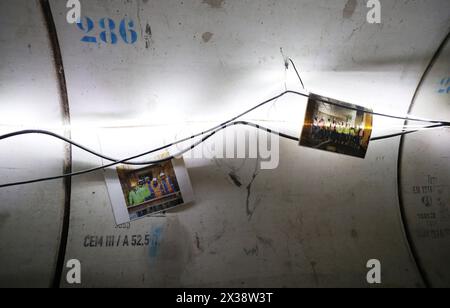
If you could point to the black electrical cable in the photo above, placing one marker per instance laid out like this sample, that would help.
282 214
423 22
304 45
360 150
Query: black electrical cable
226 123
298 74
86 149
123 161
49 133
180 141
404 133
108 165
377 113
214 130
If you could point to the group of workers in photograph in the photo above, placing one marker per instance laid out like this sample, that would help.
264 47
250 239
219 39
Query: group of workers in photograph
337 132
149 189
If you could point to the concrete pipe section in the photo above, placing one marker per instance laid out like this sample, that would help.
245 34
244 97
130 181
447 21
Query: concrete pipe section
135 75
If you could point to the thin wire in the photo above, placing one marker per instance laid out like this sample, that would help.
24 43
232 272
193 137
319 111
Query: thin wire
245 123
348 107
298 74
404 133
86 149
317 99
123 161
73 174
204 139
211 133
408 118
180 141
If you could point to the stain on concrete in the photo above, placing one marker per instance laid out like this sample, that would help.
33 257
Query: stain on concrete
207 36
156 237
350 9
266 242
221 233
354 234
354 31
174 251
197 242
235 179
215 4
254 251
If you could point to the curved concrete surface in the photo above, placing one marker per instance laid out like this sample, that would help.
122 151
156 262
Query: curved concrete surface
425 171
314 221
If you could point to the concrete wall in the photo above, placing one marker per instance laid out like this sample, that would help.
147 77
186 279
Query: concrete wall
314 221
30 216
425 176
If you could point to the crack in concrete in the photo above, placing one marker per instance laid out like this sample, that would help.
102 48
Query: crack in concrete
215 4
197 240
139 18
235 179
250 212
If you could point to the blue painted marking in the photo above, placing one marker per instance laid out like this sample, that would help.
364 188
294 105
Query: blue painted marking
445 82
127 26
87 27
155 242
108 35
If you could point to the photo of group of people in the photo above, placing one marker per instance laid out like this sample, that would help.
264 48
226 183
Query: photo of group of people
150 190
336 126
158 188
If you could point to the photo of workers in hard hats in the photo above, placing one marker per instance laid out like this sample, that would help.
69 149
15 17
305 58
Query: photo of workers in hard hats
149 190
335 126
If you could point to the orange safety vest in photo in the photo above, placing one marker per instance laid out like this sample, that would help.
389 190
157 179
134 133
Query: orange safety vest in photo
155 189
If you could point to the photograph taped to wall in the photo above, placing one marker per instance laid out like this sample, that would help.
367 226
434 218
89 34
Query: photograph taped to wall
338 127
138 193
